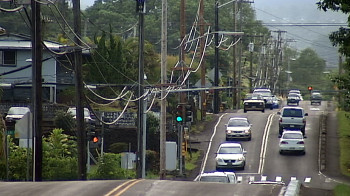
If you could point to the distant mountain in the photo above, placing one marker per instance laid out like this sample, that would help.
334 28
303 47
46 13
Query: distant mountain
302 11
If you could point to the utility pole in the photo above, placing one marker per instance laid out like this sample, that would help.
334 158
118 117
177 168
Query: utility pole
234 90
141 11
183 69
37 90
164 49
216 67
81 132
203 68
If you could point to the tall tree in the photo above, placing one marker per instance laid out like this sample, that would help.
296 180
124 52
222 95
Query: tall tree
341 38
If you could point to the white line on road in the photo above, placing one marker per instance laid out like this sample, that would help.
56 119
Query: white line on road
209 145
264 143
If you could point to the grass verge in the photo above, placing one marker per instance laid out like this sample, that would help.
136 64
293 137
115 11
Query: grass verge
344 141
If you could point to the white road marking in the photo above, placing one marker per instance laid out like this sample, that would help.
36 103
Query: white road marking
278 179
307 180
264 143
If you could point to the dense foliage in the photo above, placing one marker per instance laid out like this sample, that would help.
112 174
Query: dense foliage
341 38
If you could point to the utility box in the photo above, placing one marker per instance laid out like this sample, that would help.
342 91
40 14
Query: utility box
128 160
171 156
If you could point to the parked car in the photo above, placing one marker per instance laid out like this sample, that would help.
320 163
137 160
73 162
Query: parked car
16 113
293 98
237 128
222 177
292 118
292 141
87 115
255 103
229 156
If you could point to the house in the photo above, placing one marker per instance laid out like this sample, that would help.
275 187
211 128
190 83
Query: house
16 69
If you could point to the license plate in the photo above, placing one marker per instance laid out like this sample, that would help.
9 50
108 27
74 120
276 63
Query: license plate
253 106
291 125
292 148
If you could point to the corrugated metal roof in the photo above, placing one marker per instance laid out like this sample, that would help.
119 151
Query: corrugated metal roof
10 41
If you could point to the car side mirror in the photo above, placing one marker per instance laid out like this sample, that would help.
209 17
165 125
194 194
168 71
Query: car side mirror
279 113
306 114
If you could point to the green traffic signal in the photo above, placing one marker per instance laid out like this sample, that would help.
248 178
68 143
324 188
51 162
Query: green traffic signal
179 118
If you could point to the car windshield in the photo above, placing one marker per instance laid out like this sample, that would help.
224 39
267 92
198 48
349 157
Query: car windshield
18 111
264 93
238 123
230 150
292 113
292 136
223 179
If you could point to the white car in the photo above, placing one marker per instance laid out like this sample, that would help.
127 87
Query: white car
230 156
292 141
237 128
73 112
16 113
223 177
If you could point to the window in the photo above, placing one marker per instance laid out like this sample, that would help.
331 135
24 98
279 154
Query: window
7 57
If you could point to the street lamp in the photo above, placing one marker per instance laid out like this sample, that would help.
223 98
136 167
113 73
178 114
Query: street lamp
216 68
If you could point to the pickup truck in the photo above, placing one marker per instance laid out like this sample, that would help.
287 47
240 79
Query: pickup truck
292 118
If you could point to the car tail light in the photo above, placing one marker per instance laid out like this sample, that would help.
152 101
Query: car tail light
280 119
304 121
284 142
301 142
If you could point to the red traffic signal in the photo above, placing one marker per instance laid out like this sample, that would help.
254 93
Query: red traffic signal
309 88
95 139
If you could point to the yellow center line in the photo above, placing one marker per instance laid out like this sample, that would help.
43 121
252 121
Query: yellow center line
118 187
130 185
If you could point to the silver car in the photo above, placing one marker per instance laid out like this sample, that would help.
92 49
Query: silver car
238 128
229 156
292 141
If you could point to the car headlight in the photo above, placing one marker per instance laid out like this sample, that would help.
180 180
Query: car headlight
228 131
241 158
220 160
247 131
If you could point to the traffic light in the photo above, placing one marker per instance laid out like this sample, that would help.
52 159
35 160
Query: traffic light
188 113
309 88
179 113
95 139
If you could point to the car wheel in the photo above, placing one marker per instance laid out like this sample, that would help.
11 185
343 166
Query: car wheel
249 138
303 152
281 152
245 111
263 111
227 139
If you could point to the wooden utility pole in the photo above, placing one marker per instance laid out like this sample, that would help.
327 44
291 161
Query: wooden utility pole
164 49
234 69
81 132
203 68
37 90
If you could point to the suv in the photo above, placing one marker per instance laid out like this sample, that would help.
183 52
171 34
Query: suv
238 127
229 156
293 98
316 98
292 118
256 102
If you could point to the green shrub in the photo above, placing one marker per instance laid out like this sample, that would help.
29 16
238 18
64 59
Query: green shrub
109 168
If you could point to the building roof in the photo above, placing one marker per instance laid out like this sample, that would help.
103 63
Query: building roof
16 41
